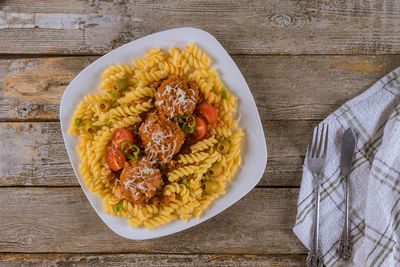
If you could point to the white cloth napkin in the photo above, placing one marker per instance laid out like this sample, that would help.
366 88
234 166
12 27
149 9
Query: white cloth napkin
374 213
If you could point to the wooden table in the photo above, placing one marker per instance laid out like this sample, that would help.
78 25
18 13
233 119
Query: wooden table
301 59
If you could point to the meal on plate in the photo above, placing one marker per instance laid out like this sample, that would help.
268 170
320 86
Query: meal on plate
161 142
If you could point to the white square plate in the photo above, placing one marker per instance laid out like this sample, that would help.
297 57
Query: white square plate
254 149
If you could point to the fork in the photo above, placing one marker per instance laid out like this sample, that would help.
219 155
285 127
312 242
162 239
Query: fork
316 161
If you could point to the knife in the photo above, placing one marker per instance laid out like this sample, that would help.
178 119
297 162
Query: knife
348 144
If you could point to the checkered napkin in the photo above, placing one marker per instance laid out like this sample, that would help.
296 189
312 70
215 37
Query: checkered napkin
374 213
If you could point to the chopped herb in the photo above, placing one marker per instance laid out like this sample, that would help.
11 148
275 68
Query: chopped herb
224 93
119 207
112 94
109 123
186 183
78 122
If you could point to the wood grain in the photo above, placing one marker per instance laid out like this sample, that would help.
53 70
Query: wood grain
61 220
154 260
34 154
256 27
284 87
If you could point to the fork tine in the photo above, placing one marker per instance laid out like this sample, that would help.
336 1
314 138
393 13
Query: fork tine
313 142
320 141
316 142
326 140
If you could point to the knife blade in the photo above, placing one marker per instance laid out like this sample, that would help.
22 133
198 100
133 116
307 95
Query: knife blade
345 250
346 157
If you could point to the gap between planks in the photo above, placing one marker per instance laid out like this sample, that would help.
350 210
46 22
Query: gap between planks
78 259
44 55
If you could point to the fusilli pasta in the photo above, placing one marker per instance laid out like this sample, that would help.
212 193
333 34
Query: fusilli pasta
200 175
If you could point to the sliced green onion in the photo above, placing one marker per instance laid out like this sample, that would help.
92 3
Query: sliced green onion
126 143
224 93
119 207
78 122
182 119
191 121
187 123
109 123
135 154
187 129
186 183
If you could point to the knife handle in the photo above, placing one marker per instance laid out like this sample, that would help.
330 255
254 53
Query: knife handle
345 250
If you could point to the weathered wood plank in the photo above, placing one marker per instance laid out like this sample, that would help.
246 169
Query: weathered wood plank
154 260
32 88
34 154
60 220
260 27
284 87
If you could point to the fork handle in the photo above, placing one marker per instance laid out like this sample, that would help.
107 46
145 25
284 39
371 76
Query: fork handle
315 259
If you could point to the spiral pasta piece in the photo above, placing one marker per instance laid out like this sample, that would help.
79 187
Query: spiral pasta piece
206 164
223 132
192 157
150 76
97 98
82 113
108 82
205 202
199 54
193 61
203 144
127 110
125 122
137 94
181 172
170 68
205 87
118 68
101 140
159 220
213 98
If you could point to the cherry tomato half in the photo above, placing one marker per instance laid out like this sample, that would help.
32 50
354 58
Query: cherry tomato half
208 112
199 130
115 159
121 135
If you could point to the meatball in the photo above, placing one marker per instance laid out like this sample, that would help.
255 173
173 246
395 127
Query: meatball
174 97
140 181
161 138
